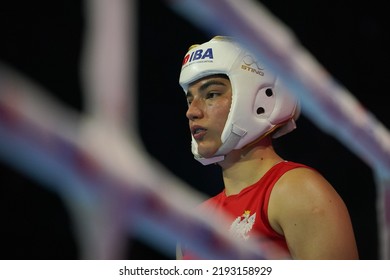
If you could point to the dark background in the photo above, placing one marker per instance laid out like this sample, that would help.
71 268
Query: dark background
42 40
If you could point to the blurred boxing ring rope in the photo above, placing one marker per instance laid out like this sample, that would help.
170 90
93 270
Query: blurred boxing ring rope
98 165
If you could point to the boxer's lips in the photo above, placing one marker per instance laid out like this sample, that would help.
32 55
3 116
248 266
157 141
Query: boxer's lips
198 132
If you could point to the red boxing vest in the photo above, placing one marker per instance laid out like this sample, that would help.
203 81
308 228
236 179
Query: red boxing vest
248 210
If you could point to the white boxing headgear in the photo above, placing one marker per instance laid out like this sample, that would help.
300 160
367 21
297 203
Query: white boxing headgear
260 104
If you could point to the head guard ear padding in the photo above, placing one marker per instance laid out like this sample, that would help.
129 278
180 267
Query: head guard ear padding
260 103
